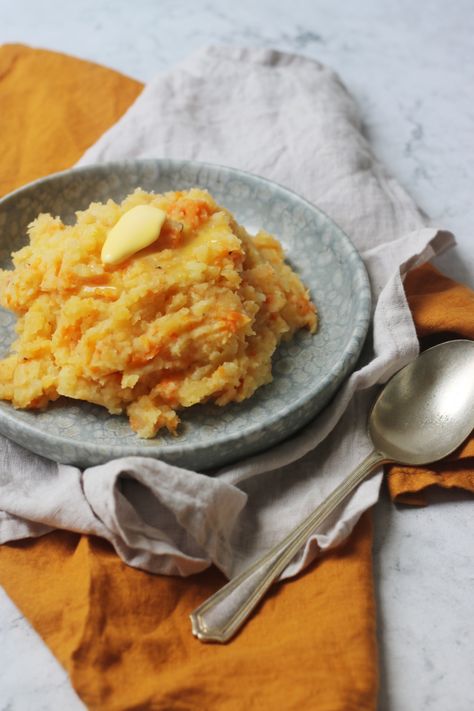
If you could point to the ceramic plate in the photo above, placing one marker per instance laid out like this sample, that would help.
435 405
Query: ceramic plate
307 371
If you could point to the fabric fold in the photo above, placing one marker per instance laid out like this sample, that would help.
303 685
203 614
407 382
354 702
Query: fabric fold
167 519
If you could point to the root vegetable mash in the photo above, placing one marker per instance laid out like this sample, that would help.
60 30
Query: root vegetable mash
194 316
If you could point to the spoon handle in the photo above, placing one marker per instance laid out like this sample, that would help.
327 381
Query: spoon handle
221 615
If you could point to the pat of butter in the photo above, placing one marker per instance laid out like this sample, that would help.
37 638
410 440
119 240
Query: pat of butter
135 230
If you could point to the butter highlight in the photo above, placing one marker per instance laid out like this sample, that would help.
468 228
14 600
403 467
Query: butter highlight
136 229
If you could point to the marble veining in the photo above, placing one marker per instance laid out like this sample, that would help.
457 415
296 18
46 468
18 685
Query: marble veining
411 68
424 579
30 677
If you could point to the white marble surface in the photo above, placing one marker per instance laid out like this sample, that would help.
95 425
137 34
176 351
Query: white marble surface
411 67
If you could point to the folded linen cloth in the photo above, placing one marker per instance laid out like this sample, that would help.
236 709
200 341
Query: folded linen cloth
291 120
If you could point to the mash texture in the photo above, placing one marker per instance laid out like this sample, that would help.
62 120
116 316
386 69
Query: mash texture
195 316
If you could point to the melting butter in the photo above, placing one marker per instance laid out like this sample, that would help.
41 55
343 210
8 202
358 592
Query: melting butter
136 229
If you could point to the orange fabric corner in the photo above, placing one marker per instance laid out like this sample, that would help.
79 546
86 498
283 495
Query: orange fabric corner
53 107
441 309
438 304
124 635
125 638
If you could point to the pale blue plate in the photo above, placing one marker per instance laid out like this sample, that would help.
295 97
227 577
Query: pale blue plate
307 371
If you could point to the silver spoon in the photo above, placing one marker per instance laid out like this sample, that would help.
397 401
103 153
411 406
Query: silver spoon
423 414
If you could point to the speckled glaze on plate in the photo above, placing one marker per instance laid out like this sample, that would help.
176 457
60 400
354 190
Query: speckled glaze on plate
307 371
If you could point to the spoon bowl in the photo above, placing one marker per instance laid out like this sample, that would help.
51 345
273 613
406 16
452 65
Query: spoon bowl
427 409
423 414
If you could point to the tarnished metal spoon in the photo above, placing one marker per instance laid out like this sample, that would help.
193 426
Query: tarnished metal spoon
423 414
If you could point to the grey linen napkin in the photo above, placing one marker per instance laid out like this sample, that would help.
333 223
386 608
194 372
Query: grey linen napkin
291 120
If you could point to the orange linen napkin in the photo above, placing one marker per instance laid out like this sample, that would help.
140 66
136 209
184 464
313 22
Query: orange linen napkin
124 635
52 108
